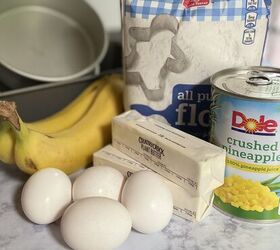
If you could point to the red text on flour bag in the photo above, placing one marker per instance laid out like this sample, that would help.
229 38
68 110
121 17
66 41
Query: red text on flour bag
194 3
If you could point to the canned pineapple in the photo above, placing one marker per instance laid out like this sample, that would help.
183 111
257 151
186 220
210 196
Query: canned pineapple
245 120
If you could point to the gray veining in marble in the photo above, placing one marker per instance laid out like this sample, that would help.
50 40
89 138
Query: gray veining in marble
215 232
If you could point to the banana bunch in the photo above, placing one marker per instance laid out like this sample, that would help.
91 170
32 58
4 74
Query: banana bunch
67 139
63 119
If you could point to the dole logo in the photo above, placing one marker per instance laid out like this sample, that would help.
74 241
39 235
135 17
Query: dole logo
261 126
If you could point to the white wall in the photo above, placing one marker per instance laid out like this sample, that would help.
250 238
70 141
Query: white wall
109 11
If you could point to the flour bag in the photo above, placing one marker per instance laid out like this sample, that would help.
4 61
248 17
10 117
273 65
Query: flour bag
172 47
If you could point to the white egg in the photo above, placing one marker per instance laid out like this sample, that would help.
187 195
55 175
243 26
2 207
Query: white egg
95 223
46 195
148 200
101 181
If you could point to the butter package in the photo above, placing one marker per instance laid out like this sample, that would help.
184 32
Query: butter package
187 206
191 163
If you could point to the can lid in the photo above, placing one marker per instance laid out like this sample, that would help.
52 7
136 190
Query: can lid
251 82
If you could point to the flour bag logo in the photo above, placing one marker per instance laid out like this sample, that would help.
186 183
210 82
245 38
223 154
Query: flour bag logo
189 110
194 3
241 123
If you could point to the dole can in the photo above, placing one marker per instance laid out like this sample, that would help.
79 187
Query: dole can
245 121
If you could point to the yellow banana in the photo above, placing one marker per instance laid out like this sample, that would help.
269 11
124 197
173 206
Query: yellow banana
71 149
69 115
59 121
6 143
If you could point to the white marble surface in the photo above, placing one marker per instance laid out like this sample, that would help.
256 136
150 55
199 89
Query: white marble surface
216 232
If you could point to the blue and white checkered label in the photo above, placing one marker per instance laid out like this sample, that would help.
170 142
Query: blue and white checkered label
216 10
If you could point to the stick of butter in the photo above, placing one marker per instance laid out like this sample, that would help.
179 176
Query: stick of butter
191 163
187 206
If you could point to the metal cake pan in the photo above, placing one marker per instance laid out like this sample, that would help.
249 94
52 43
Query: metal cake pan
39 101
48 41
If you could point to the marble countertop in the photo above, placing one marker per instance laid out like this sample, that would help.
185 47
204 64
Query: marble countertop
217 231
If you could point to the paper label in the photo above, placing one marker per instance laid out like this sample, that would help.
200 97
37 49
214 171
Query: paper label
252 5
248 130
251 19
194 3
249 36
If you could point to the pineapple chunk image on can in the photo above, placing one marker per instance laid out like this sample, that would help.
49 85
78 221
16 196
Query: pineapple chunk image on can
248 195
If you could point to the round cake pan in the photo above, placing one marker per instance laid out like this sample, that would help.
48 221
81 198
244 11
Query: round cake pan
48 41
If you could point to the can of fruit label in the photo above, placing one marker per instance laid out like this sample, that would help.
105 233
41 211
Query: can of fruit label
245 121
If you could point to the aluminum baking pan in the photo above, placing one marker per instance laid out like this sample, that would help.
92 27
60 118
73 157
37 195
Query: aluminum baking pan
36 102
48 41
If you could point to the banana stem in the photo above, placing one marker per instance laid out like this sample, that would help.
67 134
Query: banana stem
8 113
